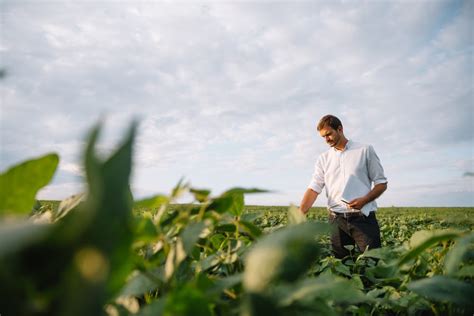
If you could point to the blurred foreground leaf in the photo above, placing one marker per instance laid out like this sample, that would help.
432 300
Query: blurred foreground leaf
422 240
15 236
456 254
326 286
83 259
283 255
20 183
445 289
295 216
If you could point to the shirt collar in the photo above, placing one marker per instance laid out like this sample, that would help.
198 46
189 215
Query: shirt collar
348 146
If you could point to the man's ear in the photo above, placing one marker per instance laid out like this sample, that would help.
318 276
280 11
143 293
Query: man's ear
340 129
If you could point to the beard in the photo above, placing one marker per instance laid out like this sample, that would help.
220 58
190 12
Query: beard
335 141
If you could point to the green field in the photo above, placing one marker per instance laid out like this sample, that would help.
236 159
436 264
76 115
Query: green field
379 283
397 224
107 254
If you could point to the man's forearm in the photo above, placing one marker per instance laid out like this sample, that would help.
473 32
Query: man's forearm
308 200
376 192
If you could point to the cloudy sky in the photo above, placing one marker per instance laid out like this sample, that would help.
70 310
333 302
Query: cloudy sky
229 93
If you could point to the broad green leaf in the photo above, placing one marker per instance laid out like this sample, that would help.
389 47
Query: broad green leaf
165 218
378 253
420 238
466 271
232 201
221 204
155 308
200 195
187 300
205 283
237 206
444 289
138 284
151 202
349 247
226 228
341 268
106 226
217 240
250 217
376 293
326 286
238 201
143 230
20 183
92 165
69 204
246 191
250 228
382 271
190 235
256 304
225 283
295 216
357 281
457 253
17 235
111 200
209 262
423 240
283 255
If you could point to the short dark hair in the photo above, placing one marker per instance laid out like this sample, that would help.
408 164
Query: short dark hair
330 120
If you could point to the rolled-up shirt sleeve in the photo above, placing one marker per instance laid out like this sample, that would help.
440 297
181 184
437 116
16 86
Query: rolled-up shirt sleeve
317 180
376 173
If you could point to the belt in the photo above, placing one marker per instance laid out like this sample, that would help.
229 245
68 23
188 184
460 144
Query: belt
347 214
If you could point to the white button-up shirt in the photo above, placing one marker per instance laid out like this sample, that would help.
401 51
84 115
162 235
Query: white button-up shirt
334 167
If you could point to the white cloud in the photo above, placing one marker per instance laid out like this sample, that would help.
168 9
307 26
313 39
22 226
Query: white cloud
75 169
230 93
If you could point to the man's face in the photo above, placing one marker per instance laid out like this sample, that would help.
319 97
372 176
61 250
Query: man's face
330 135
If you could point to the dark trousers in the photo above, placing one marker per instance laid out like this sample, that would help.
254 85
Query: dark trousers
361 230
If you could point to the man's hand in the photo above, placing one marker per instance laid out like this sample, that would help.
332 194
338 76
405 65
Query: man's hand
358 203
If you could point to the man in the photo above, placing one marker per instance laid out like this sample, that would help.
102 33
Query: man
347 168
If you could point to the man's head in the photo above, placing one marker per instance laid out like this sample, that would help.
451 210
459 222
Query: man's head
330 128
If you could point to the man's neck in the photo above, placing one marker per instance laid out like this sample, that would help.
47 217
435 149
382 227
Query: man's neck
342 144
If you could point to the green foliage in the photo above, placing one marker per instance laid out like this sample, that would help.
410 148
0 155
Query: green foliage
151 202
20 183
422 240
327 286
295 216
463 249
103 253
284 255
445 289
73 266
